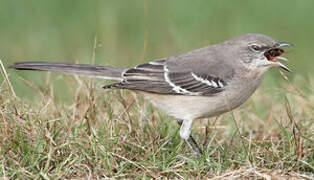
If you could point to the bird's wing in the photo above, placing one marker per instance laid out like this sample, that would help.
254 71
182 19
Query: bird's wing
176 76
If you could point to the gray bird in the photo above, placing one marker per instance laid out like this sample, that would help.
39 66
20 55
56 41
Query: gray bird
205 82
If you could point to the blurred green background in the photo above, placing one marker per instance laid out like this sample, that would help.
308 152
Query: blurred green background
135 31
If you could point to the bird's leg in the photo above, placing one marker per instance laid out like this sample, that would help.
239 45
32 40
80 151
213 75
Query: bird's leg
185 133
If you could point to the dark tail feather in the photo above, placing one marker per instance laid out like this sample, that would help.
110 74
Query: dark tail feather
104 72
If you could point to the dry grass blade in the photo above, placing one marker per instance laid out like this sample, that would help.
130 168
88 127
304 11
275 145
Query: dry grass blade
6 78
135 164
259 173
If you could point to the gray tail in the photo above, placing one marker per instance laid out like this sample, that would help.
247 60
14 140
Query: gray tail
104 72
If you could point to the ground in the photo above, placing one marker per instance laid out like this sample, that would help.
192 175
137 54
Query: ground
116 134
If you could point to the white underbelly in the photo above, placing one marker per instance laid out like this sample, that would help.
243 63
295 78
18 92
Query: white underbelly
194 107
188 107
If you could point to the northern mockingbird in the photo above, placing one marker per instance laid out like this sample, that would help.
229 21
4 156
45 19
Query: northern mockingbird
205 82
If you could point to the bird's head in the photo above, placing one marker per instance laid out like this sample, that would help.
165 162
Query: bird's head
261 52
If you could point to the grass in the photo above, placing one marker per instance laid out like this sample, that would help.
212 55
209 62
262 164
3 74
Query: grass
116 134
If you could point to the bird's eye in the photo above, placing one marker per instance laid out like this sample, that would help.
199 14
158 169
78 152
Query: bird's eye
255 47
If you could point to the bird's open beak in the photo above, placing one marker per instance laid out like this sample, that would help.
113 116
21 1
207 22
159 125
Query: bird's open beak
273 55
